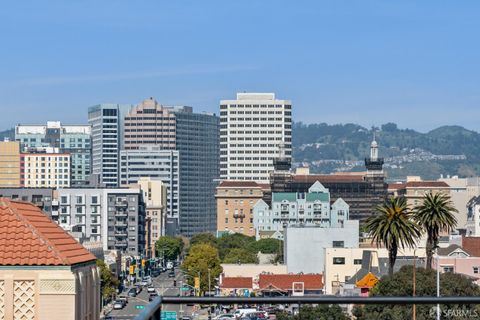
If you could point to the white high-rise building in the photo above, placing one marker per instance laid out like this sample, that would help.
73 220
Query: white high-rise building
253 129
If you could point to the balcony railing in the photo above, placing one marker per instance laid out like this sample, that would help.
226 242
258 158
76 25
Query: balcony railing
153 310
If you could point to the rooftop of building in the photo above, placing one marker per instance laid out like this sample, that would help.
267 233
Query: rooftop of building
29 238
285 281
239 184
328 178
418 184
236 282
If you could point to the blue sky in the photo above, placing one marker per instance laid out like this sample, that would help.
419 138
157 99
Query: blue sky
369 62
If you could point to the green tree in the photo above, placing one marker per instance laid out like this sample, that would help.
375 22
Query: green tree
232 241
393 227
169 247
202 259
207 238
109 283
239 255
401 284
320 312
435 215
268 245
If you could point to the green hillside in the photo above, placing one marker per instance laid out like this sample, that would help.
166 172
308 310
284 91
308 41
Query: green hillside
451 150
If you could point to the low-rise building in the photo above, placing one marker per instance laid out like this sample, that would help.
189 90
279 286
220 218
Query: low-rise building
236 286
304 247
290 284
46 274
40 197
458 260
297 208
235 202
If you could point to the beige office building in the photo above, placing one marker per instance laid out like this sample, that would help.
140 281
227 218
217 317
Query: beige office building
9 164
45 170
155 198
235 202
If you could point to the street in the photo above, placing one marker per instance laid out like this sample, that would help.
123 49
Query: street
164 287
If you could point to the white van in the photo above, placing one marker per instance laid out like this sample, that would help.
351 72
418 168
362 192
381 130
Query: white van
241 312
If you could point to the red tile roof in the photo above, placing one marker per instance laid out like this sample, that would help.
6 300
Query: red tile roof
328 178
238 184
395 186
426 184
236 283
285 281
29 238
471 245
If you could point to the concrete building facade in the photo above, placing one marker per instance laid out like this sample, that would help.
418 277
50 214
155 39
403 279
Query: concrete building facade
42 198
71 139
235 202
195 137
155 199
9 164
45 170
253 128
116 217
309 209
304 247
150 161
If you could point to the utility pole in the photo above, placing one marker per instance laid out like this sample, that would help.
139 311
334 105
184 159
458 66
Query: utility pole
414 282
438 287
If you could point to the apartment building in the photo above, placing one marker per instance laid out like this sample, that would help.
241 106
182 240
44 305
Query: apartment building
116 217
235 202
155 199
309 209
254 128
69 139
195 137
45 170
151 161
42 198
9 164
106 121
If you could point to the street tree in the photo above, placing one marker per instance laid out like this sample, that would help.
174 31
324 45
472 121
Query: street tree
202 261
109 283
394 227
240 255
169 247
435 215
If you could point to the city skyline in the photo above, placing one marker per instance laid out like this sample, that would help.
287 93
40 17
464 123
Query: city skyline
368 63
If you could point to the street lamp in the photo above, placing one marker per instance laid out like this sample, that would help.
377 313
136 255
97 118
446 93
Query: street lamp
209 284
438 286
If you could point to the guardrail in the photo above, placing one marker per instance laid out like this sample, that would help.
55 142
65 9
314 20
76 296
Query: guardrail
153 310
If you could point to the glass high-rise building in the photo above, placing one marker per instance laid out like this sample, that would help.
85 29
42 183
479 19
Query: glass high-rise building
195 137
106 121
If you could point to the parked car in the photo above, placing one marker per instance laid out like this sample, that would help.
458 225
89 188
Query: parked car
151 290
123 299
118 305
132 292
171 274
226 316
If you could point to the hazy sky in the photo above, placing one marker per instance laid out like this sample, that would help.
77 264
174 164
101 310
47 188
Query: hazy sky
369 62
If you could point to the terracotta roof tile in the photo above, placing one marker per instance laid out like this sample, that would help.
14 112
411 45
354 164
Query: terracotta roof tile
237 283
29 237
285 281
427 184
471 245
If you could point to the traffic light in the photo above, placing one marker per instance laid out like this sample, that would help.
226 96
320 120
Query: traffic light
197 282
132 269
174 283
143 263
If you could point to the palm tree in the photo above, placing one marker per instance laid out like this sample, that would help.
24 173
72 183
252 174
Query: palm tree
435 215
393 225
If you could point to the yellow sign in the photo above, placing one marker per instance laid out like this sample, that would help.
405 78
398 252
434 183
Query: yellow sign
143 263
132 269
197 283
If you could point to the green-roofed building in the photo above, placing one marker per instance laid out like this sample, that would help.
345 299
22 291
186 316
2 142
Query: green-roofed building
312 208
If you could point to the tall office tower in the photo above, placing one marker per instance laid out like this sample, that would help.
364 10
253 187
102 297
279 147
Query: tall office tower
253 129
9 164
151 161
195 136
71 139
107 141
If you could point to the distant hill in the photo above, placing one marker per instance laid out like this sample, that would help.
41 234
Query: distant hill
7 134
448 150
